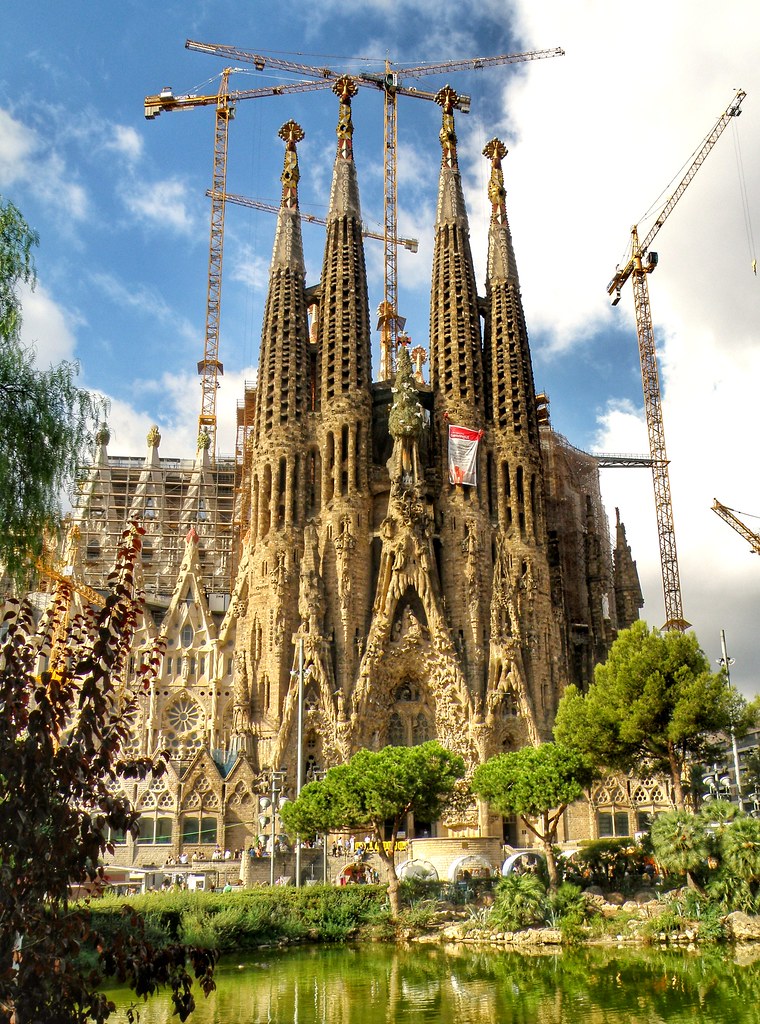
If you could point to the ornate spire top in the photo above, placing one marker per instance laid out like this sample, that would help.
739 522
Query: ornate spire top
291 133
405 418
447 98
103 435
345 88
495 151
154 437
203 440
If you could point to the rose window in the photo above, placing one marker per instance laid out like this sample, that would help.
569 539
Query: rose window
184 728
184 715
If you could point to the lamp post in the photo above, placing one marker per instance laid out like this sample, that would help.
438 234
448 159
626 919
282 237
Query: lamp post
718 784
319 774
726 663
269 806
299 751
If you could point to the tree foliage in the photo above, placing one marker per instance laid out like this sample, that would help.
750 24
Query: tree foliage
46 421
653 706
61 763
537 783
375 789
717 850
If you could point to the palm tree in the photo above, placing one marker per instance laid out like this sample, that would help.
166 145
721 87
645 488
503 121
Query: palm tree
681 844
740 845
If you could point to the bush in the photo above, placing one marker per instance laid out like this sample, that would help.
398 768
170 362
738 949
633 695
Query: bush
519 901
608 861
245 920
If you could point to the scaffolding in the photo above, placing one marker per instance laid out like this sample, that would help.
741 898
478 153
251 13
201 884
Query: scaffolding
168 497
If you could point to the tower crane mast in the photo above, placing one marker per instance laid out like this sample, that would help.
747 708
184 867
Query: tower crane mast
728 516
640 264
390 83
210 368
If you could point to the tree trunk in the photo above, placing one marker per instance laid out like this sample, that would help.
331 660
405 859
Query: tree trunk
389 861
547 838
675 774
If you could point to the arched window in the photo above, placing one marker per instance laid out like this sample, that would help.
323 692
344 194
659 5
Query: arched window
396 737
187 635
420 730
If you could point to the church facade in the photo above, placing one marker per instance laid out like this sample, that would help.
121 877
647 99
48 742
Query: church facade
391 561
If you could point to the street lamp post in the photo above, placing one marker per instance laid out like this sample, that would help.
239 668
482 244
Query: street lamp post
319 775
727 662
717 783
269 806
299 752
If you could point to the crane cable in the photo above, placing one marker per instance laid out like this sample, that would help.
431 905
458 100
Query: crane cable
744 199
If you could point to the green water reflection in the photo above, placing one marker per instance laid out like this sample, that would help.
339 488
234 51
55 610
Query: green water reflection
376 984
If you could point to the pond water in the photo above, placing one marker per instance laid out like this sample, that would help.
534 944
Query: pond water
370 984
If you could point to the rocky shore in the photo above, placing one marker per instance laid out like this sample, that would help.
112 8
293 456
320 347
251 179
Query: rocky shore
636 916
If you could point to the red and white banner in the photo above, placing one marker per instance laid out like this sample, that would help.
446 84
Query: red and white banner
463 455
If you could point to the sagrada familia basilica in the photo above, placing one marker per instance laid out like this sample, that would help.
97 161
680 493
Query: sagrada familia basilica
385 561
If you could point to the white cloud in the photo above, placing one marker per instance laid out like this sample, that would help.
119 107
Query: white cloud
165 204
47 326
143 298
125 141
178 413
17 145
29 160
248 266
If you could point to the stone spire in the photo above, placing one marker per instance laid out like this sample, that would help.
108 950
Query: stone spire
455 343
283 362
510 392
523 636
343 336
628 596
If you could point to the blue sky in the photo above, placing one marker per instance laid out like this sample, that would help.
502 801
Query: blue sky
594 138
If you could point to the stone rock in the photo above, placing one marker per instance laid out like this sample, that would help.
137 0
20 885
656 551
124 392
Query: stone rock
645 896
616 899
740 927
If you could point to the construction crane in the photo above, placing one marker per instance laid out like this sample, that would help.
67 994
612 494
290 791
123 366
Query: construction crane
638 266
390 83
412 244
728 515
210 368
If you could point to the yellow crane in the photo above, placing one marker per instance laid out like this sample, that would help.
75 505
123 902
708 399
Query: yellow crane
390 83
728 515
210 368
638 266
412 244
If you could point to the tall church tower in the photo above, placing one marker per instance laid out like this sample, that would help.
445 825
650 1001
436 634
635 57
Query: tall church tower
456 377
342 423
267 589
525 671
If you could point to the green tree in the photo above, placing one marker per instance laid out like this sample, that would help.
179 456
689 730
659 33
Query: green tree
378 790
61 766
46 421
681 844
653 706
537 783
740 849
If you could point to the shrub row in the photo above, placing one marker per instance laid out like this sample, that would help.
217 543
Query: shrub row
245 920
